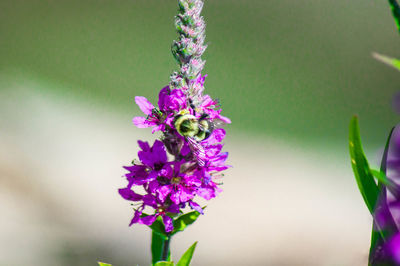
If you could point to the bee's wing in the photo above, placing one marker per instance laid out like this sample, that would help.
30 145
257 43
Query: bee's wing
197 150
218 123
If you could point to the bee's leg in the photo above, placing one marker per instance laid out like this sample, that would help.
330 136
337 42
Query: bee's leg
203 116
192 106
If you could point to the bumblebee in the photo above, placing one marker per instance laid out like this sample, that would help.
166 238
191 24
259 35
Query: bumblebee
189 126
194 130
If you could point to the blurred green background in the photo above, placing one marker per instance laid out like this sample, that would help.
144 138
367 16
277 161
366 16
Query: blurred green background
291 72
296 69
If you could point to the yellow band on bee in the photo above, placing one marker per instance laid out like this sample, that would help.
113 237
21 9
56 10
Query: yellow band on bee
184 112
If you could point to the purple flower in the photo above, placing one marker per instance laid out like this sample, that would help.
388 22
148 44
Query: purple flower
172 100
393 160
154 119
209 105
170 185
387 211
393 173
153 159
187 162
180 187
393 248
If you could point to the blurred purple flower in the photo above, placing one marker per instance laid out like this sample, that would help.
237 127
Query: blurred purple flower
393 248
387 211
393 174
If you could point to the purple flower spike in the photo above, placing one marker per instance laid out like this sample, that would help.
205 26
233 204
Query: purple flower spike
188 160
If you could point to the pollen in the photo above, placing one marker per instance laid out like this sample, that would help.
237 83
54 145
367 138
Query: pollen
176 180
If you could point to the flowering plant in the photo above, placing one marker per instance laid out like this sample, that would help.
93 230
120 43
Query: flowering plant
381 193
380 189
186 162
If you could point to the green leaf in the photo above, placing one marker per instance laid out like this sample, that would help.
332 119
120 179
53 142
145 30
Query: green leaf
380 176
365 180
395 12
157 226
393 62
103 264
184 220
164 263
187 256
389 184
157 246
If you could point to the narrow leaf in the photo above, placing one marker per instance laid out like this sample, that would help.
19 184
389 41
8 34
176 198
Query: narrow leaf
393 62
380 176
365 180
103 264
389 184
187 256
184 220
395 12
164 263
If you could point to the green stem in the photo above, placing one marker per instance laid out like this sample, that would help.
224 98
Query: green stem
165 251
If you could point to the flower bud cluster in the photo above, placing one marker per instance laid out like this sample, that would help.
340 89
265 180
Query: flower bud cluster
186 163
189 48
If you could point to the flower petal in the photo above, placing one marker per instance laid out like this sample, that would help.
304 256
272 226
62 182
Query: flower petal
128 194
136 217
185 194
150 200
206 193
175 197
141 122
196 207
163 192
168 223
144 105
159 152
225 119
148 220
174 208
218 135
144 145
